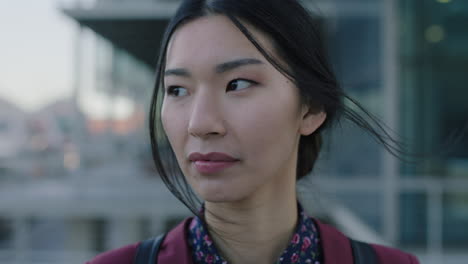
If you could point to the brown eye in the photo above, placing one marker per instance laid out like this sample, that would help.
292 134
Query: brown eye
176 91
239 84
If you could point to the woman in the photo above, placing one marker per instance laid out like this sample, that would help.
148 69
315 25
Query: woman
246 92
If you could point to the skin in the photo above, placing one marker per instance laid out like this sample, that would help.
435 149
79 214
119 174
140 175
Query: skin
259 123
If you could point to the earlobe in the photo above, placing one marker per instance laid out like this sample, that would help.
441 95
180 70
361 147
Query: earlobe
311 122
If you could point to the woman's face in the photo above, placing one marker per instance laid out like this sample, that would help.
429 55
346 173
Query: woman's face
222 95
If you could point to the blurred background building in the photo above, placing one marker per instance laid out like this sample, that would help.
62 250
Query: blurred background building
73 184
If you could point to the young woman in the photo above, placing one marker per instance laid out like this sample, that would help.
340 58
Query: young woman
243 94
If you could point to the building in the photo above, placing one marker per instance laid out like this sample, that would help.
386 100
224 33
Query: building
403 60
13 134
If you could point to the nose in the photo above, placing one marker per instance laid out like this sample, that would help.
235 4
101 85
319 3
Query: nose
206 119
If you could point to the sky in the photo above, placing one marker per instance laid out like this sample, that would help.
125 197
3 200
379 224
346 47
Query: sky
36 47
36 56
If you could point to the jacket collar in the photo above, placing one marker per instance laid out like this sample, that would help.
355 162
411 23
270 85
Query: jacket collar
175 248
336 247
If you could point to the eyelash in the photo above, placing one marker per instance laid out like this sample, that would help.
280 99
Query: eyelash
241 79
171 89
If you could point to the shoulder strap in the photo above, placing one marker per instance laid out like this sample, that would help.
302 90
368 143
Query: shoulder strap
363 253
148 250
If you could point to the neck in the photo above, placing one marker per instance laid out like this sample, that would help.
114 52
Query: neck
253 232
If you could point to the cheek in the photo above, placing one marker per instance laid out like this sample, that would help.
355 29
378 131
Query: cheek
269 128
173 125
165 117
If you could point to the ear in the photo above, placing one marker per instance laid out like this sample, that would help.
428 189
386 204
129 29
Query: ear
311 121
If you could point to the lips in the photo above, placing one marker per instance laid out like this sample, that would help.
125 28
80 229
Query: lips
212 156
212 162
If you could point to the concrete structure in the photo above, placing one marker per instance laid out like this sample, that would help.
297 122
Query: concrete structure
13 131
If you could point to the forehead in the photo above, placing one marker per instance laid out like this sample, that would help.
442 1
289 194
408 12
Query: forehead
210 40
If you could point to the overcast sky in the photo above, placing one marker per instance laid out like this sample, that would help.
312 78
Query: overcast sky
36 45
36 57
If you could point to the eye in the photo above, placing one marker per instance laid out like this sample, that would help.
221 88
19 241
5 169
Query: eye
176 91
239 84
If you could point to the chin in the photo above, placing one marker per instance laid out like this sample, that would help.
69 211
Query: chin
220 195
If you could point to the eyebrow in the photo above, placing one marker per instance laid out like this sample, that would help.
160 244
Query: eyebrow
220 68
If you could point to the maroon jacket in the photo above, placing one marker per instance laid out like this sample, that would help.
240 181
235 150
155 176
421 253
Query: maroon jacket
336 249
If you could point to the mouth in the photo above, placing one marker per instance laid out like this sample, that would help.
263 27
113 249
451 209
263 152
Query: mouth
212 162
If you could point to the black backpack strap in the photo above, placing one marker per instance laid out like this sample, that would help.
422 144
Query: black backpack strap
363 253
147 252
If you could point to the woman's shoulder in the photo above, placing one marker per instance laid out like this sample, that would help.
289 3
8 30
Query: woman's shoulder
173 247
122 255
393 255
334 241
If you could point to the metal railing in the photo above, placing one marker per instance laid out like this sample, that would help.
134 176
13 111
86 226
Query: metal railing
433 188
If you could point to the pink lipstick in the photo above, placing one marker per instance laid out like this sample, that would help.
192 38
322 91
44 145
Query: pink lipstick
212 162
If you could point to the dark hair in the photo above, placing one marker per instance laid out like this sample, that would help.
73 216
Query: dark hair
297 40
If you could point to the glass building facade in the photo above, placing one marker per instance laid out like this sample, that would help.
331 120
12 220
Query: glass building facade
433 64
